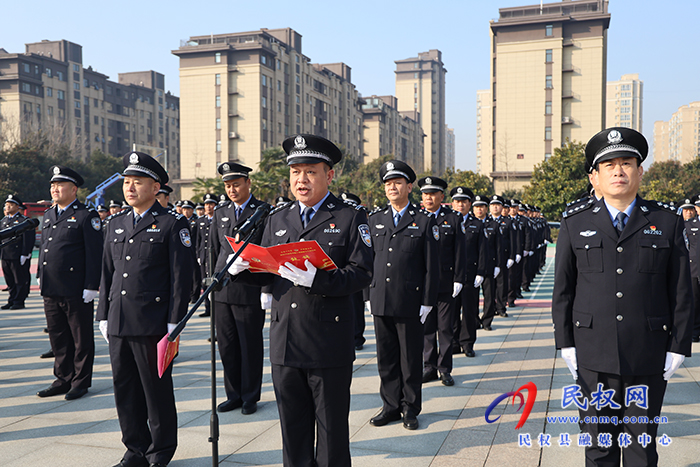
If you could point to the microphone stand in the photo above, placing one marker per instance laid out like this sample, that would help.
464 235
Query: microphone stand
217 283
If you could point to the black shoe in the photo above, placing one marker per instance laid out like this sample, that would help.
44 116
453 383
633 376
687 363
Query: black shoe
447 379
456 349
696 338
6 306
526 288
205 314
384 418
157 464
511 304
359 346
133 462
519 295
6 289
76 393
504 314
209 339
53 391
229 405
249 408
46 330
488 328
410 422
429 375
17 306
470 353
48 354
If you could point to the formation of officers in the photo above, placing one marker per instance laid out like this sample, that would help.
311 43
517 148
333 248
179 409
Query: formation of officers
419 270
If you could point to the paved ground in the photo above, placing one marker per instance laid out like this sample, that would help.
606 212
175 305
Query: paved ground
453 431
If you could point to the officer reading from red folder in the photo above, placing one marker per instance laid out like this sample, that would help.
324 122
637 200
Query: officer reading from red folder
311 328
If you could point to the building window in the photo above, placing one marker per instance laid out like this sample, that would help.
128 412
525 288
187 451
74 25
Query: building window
38 109
548 133
415 65
217 57
217 79
59 75
26 87
49 92
77 104
48 72
263 59
264 102
218 146
547 156
549 30
415 75
60 94
76 67
49 110
548 108
548 82
548 55
218 101
86 83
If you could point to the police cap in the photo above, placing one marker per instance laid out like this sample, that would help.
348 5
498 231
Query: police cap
687 203
232 170
280 200
462 192
394 169
310 149
480 200
352 198
210 198
165 189
114 204
616 142
101 208
64 174
496 199
13 199
140 164
187 204
432 185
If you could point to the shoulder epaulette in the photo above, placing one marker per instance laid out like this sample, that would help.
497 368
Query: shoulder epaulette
376 210
219 206
116 214
578 207
663 206
281 207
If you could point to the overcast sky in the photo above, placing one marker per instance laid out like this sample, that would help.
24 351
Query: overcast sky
658 40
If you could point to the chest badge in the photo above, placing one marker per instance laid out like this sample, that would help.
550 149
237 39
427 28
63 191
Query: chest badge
279 233
118 231
587 233
379 226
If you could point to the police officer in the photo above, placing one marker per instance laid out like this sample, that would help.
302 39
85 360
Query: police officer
238 313
178 206
163 195
311 329
102 211
520 238
146 282
492 269
203 244
69 278
358 298
16 255
404 290
199 210
507 253
476 252
622 302
114 207
692 228
438 331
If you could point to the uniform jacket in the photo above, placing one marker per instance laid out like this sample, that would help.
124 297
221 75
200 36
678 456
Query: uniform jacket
313 327
622 302
147 272
224 224
71 252
203 243
23 245
505 230
451 248
406 264
517 235
493 238
477 248
692 229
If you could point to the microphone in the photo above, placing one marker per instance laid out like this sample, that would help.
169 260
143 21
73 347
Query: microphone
29 224
253 221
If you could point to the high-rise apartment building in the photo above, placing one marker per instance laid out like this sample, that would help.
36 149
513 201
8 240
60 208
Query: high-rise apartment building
245 92
420 87
450 147
388 131
679 138
623 102
484 125
548 78
46 88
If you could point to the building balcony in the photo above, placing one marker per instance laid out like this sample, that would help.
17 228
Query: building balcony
567 120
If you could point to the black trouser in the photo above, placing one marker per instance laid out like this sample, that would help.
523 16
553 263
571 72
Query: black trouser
359 306
17 280
71 331
239 333
502 290
314 404
634 454
470 316
515 275
438 335
489 287
145 403
400 362
696 299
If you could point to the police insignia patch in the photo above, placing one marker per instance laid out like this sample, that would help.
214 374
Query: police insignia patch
436 232
95 223
56 170
299 142
185 237
134 158
365 235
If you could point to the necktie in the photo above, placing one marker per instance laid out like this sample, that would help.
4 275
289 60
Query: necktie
238 212
137 218
306 216
397 218
59 211
621 219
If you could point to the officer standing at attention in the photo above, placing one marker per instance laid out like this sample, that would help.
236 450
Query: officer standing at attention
163 195
521 237
507 253
439 325
622 301
403 292
238 312
102 211
311 329
146 282
476 256
16 255
203 244
492 268
114 207
69 278
692 229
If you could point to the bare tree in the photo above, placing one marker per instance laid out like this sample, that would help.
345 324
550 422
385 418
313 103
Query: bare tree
503 158
50 131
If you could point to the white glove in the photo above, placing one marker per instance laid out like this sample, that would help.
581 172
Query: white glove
673 362
526 253
569 356
238 266
23 259
424 310
456 288
510 263
530 253
266 301
171 328
546 241
38 283
369 307
199 261
478 280
518 258
496 272
298 276
89 295
103 329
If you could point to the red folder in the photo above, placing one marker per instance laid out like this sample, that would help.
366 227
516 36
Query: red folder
166 352
269 259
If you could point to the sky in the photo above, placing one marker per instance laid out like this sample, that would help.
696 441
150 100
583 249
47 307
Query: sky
657 40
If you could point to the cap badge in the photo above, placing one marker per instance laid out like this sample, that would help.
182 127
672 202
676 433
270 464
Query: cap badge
133 158
56 171
429 181
460 191
614 137
226 167
299 142
9 196
390 166
344 196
